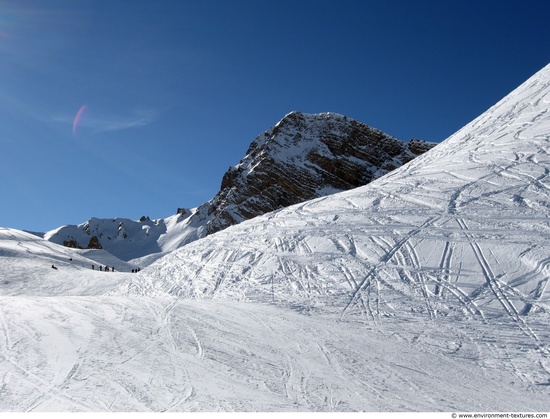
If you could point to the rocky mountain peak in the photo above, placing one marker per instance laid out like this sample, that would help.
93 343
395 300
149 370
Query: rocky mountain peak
305 156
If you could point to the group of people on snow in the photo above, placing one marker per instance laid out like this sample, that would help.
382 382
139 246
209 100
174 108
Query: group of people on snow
112 269
106 268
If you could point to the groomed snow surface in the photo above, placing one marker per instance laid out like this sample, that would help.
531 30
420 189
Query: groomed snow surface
423 291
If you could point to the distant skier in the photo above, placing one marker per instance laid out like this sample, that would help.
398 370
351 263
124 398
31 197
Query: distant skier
54 267
93 267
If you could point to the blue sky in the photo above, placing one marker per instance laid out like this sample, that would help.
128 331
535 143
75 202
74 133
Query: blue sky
175 90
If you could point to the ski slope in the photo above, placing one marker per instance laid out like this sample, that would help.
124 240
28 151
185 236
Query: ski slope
462 230
424 291
26 267
123 354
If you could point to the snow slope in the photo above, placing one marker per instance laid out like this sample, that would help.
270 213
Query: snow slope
123 354
67 346
68 342
462 232
26 267
463 229
424 291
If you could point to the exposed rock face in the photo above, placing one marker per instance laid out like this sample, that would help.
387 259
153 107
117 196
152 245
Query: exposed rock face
304 156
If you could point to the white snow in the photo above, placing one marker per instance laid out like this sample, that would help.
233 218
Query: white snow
425 290
26 267
137 242
123 354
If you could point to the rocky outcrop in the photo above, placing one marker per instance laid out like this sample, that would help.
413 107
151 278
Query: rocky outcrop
304 156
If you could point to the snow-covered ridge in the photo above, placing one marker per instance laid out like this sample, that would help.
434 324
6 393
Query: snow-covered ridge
128 239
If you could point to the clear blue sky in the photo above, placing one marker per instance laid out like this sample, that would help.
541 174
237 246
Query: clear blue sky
175 90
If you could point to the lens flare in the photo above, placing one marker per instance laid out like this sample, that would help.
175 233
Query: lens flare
78 117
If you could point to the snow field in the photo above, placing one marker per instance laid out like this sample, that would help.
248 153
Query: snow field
124 354
423 291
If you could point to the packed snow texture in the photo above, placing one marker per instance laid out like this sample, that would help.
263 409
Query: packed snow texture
425 290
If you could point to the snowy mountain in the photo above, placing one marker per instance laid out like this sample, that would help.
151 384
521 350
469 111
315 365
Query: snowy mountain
463 230
303 156
130 240
425 290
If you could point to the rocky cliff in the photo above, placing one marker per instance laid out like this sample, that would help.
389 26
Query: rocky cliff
302 157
